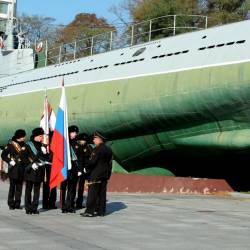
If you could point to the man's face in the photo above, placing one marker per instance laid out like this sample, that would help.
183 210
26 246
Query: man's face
39 138
82 142
72 135
21 139
97 140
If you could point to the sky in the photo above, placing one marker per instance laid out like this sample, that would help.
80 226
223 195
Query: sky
64 11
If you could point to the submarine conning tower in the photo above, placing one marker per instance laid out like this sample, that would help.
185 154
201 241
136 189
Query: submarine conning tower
7 23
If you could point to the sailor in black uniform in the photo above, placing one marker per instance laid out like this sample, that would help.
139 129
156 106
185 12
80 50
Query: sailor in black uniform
34 173
68 187
17 155
83 152
49 195
99 168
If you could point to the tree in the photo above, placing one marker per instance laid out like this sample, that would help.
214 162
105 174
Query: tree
148 9
218 11
77 35
123 11
38 27
140 10
70 41
226 11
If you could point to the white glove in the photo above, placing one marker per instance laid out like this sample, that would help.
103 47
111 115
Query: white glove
79 173
44 150
84 170
12 163
34 166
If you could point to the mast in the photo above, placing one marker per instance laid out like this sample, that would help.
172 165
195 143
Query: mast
8 22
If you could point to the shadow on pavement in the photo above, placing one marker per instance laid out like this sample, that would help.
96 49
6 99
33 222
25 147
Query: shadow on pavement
113 207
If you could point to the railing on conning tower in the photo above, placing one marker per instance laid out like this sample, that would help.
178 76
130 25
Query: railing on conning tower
134 34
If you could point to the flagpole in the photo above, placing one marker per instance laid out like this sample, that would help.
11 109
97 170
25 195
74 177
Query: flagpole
46 118
66 132
46 136
61 201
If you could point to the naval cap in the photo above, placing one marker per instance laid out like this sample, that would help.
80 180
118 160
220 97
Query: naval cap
99 134
37 132
73 128
20 133
82 137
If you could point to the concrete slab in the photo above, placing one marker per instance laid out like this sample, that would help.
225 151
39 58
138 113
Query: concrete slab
134 221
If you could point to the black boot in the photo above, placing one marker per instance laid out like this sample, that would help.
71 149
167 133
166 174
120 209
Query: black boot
18 207
71 210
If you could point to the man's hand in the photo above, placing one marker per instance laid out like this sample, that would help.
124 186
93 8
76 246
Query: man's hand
44 150
12 163
34 166
79 174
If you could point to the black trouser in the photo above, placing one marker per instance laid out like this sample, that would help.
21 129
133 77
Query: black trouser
32 204
96 200
68 192
63 187
81 182
66 195
73 185
15 193
49 196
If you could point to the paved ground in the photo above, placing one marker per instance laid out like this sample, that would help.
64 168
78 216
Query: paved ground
134 221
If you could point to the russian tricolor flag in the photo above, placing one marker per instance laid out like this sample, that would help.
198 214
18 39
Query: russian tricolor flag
61 162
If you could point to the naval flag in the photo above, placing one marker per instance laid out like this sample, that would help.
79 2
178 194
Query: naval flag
1 43
48 119
61 162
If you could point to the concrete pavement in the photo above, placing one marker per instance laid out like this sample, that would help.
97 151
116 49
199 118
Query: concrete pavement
134 221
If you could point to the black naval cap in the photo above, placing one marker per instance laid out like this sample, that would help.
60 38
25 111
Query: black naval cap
37 132
20 133
73 128
99 134
82 137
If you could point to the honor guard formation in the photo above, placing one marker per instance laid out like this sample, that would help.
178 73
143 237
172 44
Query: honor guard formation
31 162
